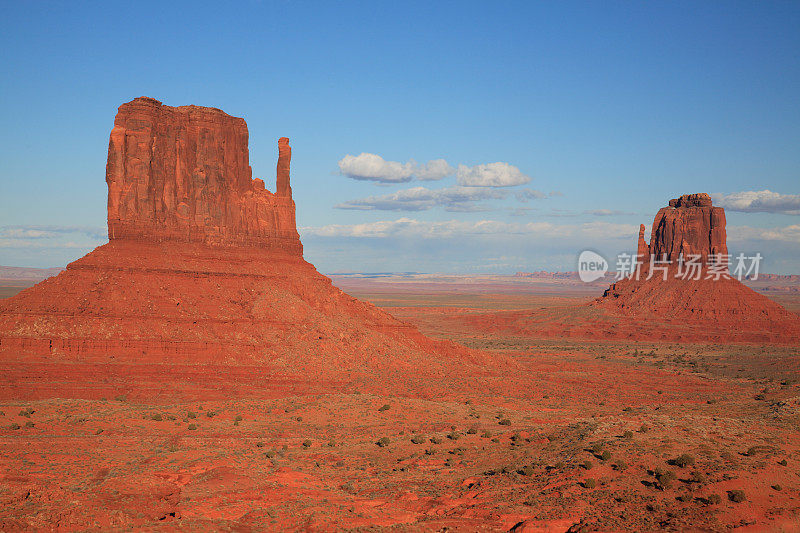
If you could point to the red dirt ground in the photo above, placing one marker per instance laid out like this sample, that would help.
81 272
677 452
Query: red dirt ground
235 447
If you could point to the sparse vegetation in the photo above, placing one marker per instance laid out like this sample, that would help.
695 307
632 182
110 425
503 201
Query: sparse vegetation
664 478
736 495
683 460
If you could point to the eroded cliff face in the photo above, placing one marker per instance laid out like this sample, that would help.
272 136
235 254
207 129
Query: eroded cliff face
183 174
690 225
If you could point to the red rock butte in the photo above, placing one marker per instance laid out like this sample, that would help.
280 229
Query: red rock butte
692 226
183 174
203 268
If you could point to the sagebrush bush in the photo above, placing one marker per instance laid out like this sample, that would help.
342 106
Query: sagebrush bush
736 495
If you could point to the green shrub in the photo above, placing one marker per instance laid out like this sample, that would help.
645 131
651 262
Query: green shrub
486 435
643 429
29 424
238 418
156 417
628 435
191 415
306 443
435 440
605 455
505 422
417 439
587 465
14 426
454 435
383 441
473 429
384 407
777 487
211 414
713 499
783 462
527 470
683 460
192 427
590 483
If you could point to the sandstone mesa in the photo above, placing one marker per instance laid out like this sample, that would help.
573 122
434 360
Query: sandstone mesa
203 266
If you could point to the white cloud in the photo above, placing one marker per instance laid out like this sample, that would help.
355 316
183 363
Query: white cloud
409 227
526 195
46 237
421 199
435 169
764 201
372 167
606 212
786 234
491 175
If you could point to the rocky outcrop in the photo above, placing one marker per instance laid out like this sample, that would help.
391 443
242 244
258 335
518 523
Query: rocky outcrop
183 174
690 225
203 270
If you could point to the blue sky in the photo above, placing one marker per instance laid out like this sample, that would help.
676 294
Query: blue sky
605 111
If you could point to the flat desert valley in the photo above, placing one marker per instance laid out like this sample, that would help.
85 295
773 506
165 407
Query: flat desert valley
583 435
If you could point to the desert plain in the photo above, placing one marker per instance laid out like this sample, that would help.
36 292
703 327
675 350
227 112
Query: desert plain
582 435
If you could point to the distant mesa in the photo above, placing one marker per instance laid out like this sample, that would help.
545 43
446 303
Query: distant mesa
203 274
664 306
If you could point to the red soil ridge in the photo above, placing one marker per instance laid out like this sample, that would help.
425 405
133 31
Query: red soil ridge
205 266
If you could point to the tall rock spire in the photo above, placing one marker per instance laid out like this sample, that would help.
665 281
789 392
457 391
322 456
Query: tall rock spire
284 189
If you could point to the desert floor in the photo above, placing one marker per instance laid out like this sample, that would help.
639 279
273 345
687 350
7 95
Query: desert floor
584 436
